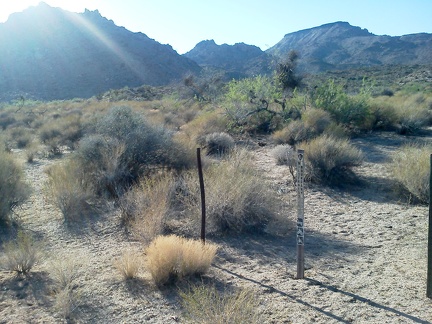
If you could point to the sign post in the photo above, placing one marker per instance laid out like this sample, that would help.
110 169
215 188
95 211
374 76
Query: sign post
300 214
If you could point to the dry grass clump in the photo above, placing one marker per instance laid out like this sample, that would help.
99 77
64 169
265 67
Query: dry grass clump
296 131
13 190
70 191
411 168
22 253
329 159
170 258
65 273
203 304
284 155
237 197
146 206
128 264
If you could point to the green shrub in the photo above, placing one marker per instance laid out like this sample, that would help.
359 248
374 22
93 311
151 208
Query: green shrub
13 190
352 111
203 304
411 168
329 159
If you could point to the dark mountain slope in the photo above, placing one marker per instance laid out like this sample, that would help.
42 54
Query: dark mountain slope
48 53
238 60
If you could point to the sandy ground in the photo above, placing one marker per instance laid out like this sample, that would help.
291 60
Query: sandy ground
365 256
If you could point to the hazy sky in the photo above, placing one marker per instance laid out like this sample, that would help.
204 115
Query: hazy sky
184 23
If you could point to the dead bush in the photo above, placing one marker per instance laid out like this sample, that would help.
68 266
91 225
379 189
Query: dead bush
128 264
218 143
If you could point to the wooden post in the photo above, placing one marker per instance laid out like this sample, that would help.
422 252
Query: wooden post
300 214
203 205
429 267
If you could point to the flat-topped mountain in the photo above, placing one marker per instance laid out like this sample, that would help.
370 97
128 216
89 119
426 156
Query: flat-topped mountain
48 53
342 46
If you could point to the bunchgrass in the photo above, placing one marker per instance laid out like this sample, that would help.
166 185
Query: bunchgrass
171 258
205 304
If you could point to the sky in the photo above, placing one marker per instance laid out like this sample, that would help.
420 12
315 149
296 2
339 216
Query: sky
263 23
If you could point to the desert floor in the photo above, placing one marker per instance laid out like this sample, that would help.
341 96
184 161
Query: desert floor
365 255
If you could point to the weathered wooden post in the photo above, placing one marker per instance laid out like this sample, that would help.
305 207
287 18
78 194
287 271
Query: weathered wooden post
300 214
429 267
203 205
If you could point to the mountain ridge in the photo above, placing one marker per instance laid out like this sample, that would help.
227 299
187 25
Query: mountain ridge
48 53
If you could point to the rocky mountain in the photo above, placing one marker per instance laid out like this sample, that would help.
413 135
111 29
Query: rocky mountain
48 53
338 46
238 60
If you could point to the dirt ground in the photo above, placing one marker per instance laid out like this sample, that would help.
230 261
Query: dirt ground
365 256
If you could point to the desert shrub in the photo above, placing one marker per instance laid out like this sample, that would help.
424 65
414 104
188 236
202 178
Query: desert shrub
21 135
330 159
126 147
205 123
411 168
128 264
218 143
384 115
6 119
170 258
70 192
146 206
13 190
412 115
22 253
237 199
204 304
296 131
284 155
316 120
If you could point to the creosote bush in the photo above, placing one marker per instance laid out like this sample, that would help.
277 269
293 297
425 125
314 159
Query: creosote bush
411 168
170 258
204 304
330 160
